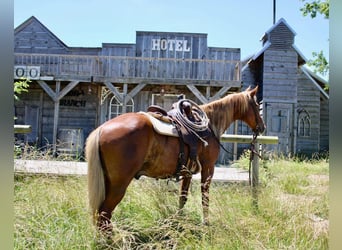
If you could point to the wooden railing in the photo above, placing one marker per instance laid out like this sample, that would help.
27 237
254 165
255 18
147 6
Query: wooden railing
254 174
22 129
128 67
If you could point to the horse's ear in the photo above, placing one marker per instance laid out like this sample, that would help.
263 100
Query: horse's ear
254 91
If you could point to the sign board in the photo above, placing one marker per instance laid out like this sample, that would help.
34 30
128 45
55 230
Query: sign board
28 72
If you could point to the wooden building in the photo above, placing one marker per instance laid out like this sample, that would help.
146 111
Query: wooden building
75 89
295 105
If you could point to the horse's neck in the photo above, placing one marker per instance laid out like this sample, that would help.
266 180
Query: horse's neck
220 114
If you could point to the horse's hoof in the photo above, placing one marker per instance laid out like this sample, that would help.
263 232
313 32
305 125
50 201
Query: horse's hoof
205 223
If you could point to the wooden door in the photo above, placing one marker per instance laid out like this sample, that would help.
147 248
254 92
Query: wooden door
32 118
280 123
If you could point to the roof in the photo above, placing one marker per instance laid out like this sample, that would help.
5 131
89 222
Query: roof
301 59
281 20
33 19
318 81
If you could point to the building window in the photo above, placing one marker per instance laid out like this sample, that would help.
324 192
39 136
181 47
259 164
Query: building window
304 124
115 107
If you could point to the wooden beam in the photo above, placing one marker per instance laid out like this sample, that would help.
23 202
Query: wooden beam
22 129
166 81
219 93
48 90
55 119
115 91
255 176
66 89
124 97
135 91
248 139
197 93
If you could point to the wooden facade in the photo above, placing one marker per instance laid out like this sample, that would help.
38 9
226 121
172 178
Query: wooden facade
295 105
79 88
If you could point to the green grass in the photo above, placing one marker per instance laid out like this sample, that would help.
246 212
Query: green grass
51 213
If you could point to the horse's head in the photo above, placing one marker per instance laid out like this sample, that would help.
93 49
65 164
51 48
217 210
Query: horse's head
252 115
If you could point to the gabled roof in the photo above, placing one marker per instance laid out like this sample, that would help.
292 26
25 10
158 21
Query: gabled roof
301 59
318 81
33 20
281 20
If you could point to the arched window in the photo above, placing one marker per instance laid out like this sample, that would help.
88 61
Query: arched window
115 107
304 124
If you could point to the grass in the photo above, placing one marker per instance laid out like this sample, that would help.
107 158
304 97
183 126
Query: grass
51 212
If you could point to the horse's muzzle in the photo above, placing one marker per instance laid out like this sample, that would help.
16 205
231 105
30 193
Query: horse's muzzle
260 129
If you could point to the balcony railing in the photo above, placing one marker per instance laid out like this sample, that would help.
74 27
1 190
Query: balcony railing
113 67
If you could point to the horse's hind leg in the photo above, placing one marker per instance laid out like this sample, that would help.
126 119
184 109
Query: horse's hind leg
114 195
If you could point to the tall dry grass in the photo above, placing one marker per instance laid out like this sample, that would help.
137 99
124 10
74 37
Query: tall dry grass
51 212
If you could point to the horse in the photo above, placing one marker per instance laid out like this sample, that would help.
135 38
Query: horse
127 147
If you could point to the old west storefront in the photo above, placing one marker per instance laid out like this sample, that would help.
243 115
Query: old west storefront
77 89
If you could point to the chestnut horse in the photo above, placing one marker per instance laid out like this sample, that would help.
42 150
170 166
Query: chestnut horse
127 146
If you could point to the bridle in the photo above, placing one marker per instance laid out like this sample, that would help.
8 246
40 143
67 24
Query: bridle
253 151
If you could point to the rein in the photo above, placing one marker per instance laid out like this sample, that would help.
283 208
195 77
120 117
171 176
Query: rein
251 156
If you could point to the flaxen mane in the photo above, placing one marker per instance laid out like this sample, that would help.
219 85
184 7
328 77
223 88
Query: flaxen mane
220 112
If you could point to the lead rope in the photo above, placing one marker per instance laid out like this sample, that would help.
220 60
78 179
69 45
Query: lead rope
192 126
251 157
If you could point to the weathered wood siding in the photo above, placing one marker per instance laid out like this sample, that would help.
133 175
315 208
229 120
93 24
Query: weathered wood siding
116 60
222 71
23 111
309 102
78 109
36 38
324 124
153 47
280 37
280 75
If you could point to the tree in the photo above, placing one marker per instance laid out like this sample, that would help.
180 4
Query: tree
314 7
320 63
20 86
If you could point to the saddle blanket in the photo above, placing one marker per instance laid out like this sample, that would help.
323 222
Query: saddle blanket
161 127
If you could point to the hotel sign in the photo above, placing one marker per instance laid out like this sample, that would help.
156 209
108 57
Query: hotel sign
170 45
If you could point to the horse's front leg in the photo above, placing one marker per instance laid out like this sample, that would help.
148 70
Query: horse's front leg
185 184
205 184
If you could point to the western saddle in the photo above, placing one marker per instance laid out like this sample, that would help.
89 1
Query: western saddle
191 124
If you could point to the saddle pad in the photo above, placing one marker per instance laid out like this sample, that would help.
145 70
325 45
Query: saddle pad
161 127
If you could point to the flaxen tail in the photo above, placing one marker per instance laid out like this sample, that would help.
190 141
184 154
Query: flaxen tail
96 186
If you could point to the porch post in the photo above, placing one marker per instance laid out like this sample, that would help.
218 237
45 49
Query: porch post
124 94
55 118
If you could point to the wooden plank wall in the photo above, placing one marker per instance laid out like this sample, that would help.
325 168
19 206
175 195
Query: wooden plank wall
122 67
308 100
281 37
78 109
221 71
35 38
324 125
280 75
176 46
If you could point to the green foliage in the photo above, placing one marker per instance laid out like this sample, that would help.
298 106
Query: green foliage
51 212
20 86
314 7
319 63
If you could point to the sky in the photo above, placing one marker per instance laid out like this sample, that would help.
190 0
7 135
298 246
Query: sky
228 23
